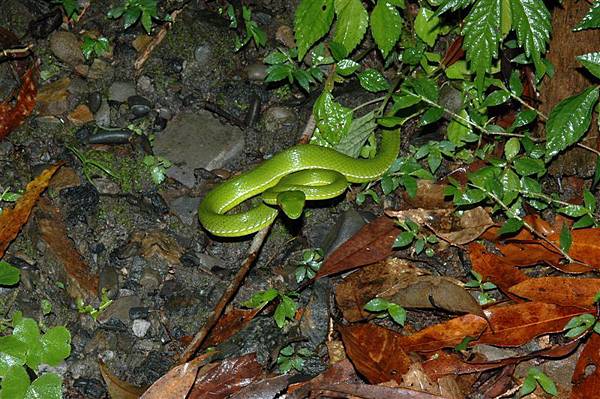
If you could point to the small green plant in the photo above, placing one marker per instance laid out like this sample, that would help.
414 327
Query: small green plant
580 324
94 47
26 348
385 308
157 167
253 31
412 234
477 282
92 311
90 165
312 259
285 310
9 275
534 377
71 8
283 66
134 10
289 359
8 196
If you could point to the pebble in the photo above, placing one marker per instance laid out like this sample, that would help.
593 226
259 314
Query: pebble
257 72
202 54
102 116
108 280
140 327
150 279
119 309
66 47
94 101
159 124
139 312
100 69
139 105
144 86
186 209
120 91
175 65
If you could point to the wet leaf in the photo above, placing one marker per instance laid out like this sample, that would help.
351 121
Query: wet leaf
226 378
11 116
372 243
586 377
376 352
494 268
559 290
11 220
117 388
229 324
176 383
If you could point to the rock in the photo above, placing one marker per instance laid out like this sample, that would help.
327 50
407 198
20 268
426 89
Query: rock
202 54
140 327
120 91
315 318
80 115
139 106
90 388
186 209
138 313
100 69
150 279
257 72
66 47
175 65
94 101
108 280
197 140
102 116
276 117
119 309
144 86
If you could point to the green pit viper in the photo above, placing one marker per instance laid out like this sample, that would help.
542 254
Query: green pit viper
313 171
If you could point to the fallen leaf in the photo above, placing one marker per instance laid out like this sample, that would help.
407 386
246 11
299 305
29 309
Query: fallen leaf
370 244
53 97
229 324
563 291
158 243
80 115
365 391
397 281
429 195
586 377
11 116
376 352
339 372
267 388
585 247
11 220
81 281
517 324
117 388
226 378
494 268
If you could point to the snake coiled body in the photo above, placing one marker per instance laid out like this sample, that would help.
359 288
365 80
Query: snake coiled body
224 197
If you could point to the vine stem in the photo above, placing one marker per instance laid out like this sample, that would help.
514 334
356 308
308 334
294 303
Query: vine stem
525 223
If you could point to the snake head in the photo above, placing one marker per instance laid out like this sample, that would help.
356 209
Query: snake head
291 203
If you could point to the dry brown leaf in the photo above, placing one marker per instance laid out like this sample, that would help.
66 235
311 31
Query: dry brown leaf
370 244
339 372
52 97
226 378
429 195
563 291
158 243
586 377
81 281
229 324
117 388
397 281
11 116
376 352
494 268
11 220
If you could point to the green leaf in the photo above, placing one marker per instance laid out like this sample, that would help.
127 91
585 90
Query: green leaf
285 310
591 61
481 37
427 26
312 21
386 25
347 67
372 80
47 386
360 130
261 298
591 20
404 101
130 17
460 132
453 5
13 352
516 87
404 239
9 275
410 185
512 225
338 51
351 25
512 148
496 98
526 166
376 305
432 115
275 58
568 121
115 12
458 70
147 23
589 200
333 119
528 386
424 87
523 118
583 222
573 210
532 22
276 73
14 383
546 383
56 345
565 238
398 313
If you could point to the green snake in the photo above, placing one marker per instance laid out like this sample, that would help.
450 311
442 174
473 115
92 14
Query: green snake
314 171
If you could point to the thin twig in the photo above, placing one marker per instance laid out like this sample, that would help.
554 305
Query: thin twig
143 57
308 130
20 52
229 293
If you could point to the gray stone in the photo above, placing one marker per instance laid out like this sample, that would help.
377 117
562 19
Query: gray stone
108 280
140 327
121 91
102 116
198 140
150 279
257 72
100 70
66 47
202 54
186 208
119 309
